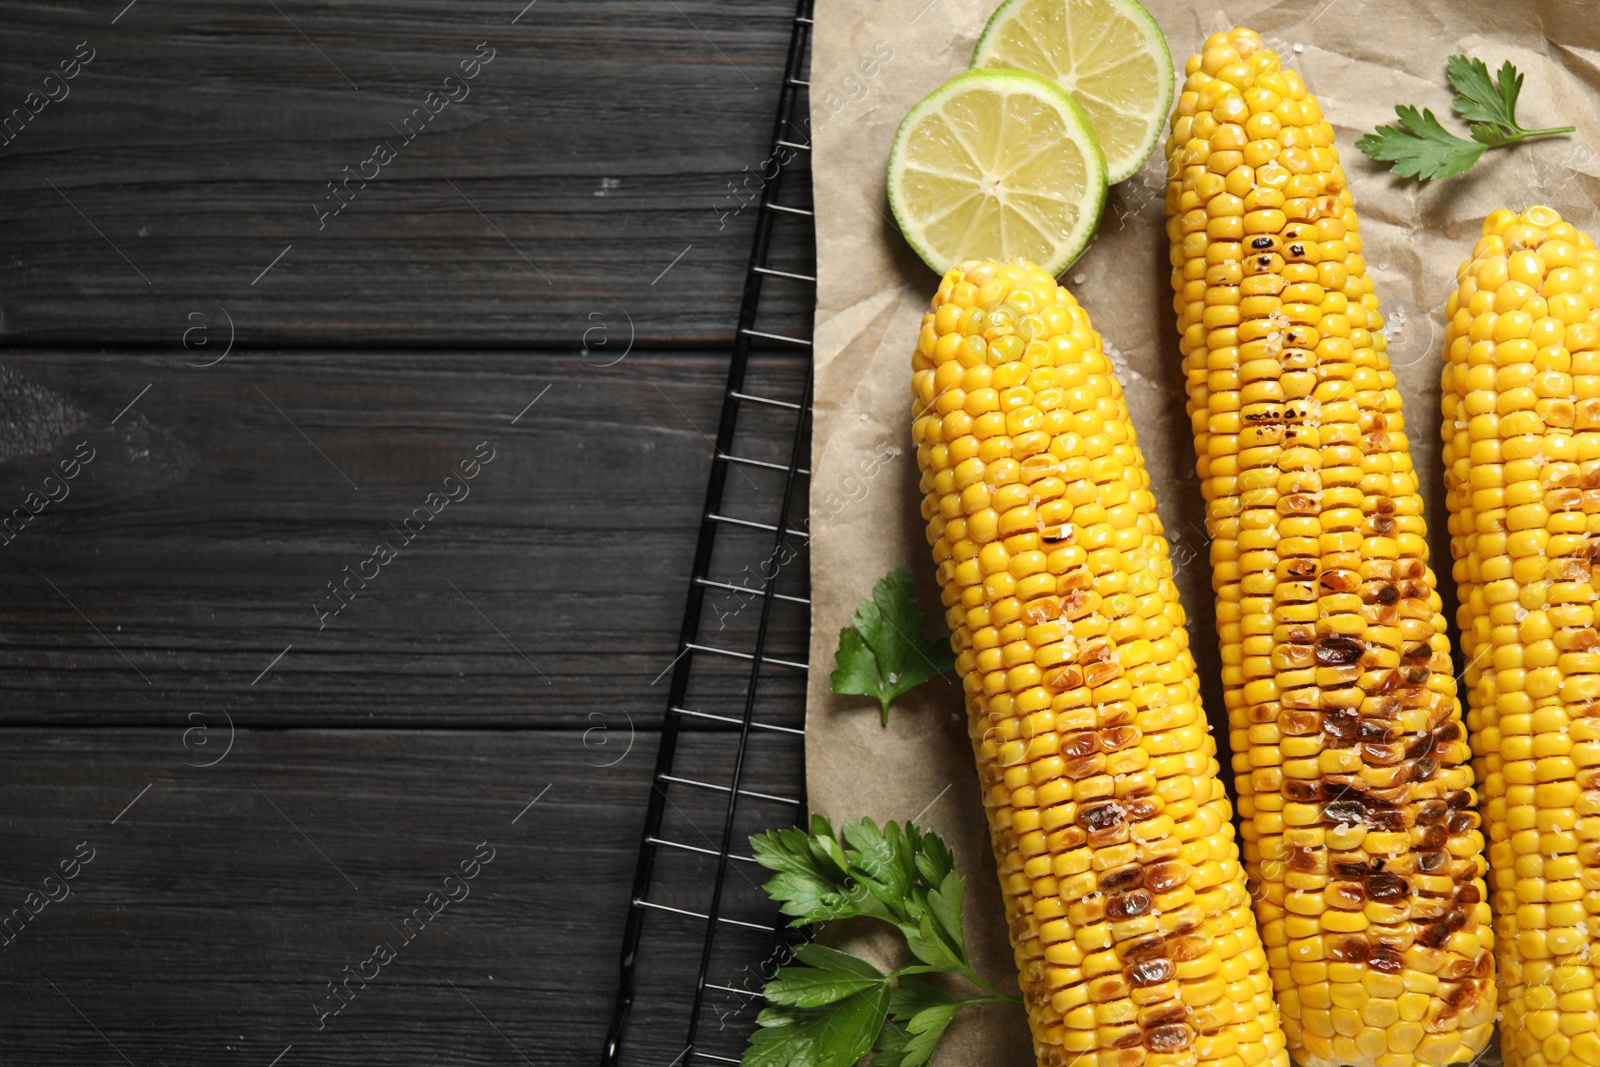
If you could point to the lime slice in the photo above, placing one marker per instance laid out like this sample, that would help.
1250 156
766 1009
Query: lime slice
1109 54
997 164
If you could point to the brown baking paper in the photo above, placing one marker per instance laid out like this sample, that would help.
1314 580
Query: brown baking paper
871 62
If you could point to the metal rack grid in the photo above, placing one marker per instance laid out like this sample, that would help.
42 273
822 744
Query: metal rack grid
701 936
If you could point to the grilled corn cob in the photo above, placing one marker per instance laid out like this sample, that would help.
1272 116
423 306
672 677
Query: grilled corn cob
1128 911
1355 791
1522 468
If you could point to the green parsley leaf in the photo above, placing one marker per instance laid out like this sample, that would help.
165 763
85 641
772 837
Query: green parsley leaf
944 907
1482 99
934 859
837 1035
910 1042
918 1016
927 942
828 977
936 938
817 1013
882 654
825 845
912 995
812 882
858 667
881 862
1421 148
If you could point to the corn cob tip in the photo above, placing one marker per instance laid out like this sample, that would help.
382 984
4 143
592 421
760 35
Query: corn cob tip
1225 47
1536 218
1012 274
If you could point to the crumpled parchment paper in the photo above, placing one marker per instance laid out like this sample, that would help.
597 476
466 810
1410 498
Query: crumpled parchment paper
870 62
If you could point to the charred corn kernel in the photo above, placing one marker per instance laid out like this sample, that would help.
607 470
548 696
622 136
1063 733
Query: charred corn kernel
1336 673
1130 923
1522 455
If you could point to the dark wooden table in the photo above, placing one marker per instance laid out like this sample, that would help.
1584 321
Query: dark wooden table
336 526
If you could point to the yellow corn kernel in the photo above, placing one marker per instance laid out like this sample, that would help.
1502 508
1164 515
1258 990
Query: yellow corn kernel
1336 674
1130 919
1533 695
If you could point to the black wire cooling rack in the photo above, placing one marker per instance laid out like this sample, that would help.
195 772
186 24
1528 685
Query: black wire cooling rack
701 937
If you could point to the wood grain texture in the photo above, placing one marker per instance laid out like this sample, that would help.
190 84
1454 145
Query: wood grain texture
220 903
200 541
268 390
601 141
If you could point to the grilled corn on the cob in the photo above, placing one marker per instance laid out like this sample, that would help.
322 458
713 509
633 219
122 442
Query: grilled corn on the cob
1349 754
1522 468
1128 910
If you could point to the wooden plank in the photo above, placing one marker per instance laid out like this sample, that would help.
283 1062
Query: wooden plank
220 902
188 568
599 162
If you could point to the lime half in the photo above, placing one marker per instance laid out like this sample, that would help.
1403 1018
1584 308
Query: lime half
1109 54
997 164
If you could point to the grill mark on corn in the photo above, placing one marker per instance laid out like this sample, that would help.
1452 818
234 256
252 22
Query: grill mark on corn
1348 749
1521 430
1126 904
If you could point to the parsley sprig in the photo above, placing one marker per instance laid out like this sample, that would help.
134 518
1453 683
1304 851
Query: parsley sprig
834 1008
883 654
1419 147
